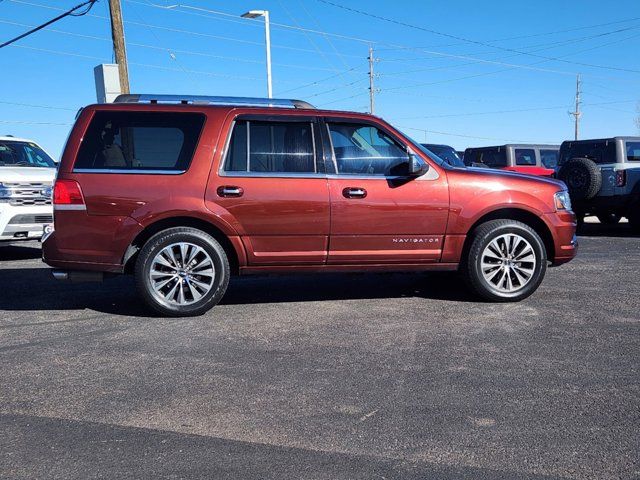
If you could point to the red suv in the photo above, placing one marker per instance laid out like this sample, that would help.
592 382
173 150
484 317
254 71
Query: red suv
183 192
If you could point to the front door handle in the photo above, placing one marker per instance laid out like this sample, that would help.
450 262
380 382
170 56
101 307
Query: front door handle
229 191
354 192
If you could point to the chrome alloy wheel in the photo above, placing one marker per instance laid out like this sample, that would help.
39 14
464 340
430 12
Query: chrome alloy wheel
181 274
508 263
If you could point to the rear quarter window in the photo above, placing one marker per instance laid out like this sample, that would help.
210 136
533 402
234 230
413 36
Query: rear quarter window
140 141
525 156
633 151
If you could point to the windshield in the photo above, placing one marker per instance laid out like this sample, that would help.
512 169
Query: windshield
447 153
23 154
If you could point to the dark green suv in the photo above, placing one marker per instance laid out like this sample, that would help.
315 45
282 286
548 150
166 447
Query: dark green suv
603 177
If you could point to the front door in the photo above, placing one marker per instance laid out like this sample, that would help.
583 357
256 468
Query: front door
377 214
271 187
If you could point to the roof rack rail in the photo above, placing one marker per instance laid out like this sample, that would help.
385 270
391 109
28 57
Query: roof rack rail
209 100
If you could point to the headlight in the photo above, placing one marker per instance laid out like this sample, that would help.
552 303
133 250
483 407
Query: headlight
5 192
562 200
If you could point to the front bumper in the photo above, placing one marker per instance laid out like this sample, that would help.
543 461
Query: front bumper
563 231
23 222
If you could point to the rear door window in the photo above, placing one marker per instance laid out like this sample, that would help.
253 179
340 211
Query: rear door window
271 147
140 141
525 157
549 158
633 151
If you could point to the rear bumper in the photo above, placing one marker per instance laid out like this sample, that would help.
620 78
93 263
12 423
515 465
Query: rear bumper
56 256
563 231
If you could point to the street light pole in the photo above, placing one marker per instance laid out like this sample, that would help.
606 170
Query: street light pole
267 34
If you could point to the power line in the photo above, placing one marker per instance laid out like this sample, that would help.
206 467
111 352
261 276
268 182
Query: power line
474 137
31 105
89 4
475 42
519 110
175 50
395 46
146 65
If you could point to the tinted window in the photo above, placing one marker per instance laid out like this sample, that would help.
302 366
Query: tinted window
140 141
491 158
23 154
599 152
549 158
633 151
366 150
447 153
525 156
271 147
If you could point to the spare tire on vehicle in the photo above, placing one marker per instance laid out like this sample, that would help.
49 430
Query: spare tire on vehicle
583 178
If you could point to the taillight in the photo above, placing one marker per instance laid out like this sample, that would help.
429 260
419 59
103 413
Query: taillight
67 193
621 178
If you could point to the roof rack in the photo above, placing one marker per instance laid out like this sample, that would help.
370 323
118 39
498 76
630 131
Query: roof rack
209 100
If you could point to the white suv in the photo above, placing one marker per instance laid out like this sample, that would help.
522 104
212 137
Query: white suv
26 175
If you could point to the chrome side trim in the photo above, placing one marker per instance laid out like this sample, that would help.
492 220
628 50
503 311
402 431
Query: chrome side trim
69 207
128 171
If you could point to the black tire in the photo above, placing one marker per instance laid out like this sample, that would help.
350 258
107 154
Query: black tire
634 219
191 236
481 237
609 218
583 178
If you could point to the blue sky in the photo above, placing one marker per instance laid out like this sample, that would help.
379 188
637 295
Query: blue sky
449 72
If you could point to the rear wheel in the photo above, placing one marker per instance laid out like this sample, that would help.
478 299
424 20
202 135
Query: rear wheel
609 218
182 272
506 262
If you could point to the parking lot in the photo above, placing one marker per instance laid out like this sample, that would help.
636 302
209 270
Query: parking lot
335 376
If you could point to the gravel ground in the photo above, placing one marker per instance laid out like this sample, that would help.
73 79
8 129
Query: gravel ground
326 377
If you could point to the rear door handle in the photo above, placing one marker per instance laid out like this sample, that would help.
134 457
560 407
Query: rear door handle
229 191
354 192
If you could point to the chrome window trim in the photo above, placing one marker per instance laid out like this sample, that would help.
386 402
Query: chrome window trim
248 173
131 171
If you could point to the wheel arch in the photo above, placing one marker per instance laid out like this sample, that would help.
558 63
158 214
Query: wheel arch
520 215
235 252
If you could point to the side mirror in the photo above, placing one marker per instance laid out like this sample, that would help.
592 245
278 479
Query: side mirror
417 166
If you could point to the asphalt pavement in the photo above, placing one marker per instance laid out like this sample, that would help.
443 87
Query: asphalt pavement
335 376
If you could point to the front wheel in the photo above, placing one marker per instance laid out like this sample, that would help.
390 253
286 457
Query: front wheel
506 262
182 272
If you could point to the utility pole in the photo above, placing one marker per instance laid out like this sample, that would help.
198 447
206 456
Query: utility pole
372 90
577 113
119 47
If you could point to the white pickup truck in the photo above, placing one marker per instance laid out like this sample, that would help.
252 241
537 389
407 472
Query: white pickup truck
26 177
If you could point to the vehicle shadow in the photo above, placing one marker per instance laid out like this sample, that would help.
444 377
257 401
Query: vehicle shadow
118 295
28 251
589 229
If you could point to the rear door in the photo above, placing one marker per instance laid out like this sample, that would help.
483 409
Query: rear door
378 215
272 185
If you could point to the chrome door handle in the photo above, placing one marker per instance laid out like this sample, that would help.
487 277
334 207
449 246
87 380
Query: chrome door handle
230 191
354 192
